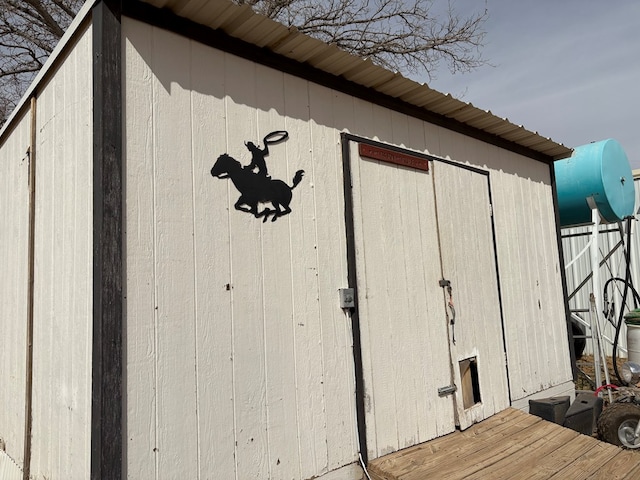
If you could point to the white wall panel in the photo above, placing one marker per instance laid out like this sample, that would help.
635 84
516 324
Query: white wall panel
174 258
141 425
63 270
253 371
535 325
405 349
531 291
328 242
14 241
468 262
214 330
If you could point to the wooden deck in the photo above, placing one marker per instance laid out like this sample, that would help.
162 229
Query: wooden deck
510 445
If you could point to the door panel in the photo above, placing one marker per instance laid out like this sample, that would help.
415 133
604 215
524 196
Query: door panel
411 229
405 348
468 262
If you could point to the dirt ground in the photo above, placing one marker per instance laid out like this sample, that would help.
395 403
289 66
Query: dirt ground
586 374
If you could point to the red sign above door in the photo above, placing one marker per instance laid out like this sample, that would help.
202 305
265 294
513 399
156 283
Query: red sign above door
391 156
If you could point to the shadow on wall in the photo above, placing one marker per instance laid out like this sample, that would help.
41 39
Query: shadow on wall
212 73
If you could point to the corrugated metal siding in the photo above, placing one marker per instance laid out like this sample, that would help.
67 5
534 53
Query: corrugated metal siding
614 267
63 270
241 22
14 235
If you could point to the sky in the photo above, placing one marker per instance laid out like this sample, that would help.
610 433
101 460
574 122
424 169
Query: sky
567 69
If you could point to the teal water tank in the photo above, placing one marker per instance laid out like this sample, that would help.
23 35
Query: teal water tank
598 173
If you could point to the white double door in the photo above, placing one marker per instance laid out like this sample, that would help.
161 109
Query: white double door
422 374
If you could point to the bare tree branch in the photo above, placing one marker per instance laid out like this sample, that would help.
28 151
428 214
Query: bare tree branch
411 36
29 31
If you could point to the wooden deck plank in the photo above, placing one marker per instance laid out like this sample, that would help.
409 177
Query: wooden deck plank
428 454
530 459
466 455
558 460
618 467
634 473
585 465
424 455
510 445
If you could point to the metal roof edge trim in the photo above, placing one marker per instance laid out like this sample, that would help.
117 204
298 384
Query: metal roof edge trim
50 64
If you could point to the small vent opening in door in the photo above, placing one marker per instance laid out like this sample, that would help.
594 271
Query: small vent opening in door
470 383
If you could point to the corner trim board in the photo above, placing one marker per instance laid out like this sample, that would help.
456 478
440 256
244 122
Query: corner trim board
108 265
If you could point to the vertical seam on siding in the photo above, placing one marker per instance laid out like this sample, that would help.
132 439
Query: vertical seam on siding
263 408
156 438
293 302
231 296
194 258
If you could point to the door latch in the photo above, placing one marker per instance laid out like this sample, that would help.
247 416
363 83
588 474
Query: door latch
448 390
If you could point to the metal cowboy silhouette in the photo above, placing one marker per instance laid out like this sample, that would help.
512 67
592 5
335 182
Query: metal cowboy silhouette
256 188
257 157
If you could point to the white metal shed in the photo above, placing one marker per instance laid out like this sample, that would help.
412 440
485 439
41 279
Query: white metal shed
179 309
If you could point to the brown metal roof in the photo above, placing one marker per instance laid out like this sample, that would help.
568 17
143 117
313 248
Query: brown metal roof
242 23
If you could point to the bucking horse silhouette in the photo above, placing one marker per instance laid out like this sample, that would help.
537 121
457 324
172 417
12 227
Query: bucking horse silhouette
256 188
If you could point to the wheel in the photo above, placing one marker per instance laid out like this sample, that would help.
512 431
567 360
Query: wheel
579 344
617 424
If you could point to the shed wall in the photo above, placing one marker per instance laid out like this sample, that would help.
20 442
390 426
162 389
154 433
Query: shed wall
239 359
530 273
526 244
14 235
527 254
63 270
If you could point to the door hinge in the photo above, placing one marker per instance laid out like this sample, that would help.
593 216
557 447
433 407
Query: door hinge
448 390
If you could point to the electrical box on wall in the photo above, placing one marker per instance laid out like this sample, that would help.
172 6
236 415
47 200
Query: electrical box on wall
347 298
